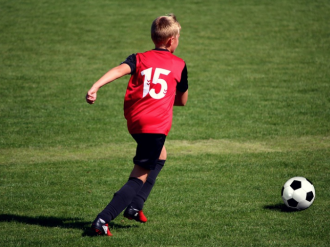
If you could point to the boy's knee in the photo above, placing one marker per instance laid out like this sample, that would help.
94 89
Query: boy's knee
163 154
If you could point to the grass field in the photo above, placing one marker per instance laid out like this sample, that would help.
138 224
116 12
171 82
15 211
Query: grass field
258 114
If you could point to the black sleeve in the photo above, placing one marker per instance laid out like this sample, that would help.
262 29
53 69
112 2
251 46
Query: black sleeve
183 85
131 61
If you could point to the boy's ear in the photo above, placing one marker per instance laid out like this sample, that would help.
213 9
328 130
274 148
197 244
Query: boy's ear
169 42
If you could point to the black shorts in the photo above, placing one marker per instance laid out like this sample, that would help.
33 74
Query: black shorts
149 147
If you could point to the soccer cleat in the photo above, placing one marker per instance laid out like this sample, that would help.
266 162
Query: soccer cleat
100 227
135 214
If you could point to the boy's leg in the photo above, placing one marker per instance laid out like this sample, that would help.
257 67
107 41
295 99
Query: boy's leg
134 210
126 194
143 194
148 150
120 200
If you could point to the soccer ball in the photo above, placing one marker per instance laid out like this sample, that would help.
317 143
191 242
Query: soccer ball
298 193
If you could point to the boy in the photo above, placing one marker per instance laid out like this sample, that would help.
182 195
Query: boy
158 81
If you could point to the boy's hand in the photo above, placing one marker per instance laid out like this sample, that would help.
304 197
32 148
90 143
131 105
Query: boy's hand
91 96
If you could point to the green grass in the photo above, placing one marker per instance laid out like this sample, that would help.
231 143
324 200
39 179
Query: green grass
258 113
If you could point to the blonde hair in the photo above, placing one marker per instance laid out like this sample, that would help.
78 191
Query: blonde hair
163 28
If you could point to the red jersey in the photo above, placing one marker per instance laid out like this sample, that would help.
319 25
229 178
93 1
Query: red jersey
150 94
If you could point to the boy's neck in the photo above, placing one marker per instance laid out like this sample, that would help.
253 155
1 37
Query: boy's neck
161 49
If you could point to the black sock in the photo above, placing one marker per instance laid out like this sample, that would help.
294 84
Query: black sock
121 199
143 194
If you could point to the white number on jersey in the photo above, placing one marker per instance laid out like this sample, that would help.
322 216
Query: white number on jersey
146 84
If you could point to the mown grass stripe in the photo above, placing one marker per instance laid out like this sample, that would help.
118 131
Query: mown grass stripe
174 147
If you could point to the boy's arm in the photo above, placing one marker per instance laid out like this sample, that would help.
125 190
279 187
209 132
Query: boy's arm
181 98
181 95
110 76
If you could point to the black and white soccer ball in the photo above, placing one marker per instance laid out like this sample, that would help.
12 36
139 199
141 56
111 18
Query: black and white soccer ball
298 193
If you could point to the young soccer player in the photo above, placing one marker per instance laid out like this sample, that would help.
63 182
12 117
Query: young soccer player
158 81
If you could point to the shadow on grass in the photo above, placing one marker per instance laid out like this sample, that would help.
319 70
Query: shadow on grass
280 207
68 223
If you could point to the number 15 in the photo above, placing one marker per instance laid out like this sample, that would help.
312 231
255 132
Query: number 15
146 84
